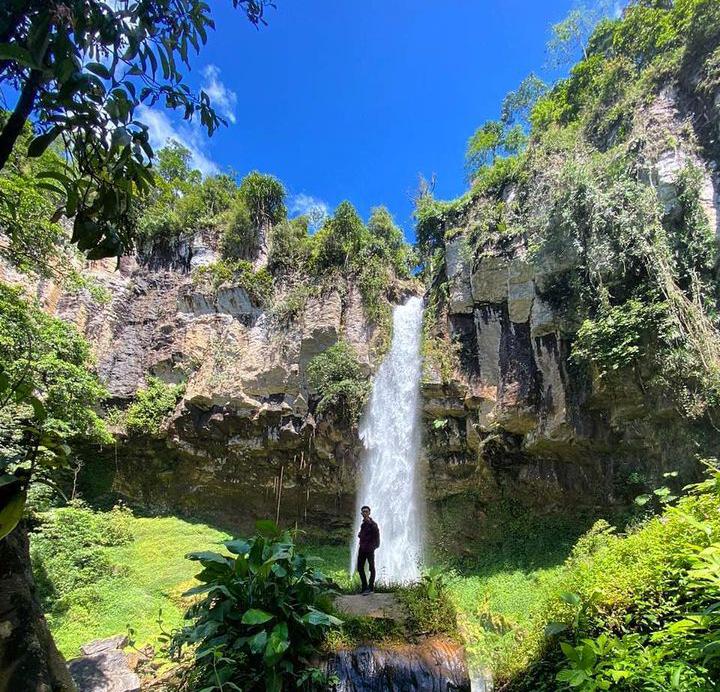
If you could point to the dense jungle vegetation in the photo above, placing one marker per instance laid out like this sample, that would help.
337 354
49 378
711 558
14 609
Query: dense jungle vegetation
629 606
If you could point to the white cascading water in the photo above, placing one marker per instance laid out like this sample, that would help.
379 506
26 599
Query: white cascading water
391 482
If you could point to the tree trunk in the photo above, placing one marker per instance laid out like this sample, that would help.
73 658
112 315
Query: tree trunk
29 659
16 122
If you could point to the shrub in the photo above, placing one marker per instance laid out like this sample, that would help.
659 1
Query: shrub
258 284
239 238
290 246
264 197
67 549
639 611
428 602
336 376
262 617
340 237
151 406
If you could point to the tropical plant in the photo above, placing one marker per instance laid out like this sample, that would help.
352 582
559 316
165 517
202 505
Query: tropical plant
151 407
261 617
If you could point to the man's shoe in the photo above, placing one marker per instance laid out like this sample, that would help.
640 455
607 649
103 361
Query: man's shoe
365 592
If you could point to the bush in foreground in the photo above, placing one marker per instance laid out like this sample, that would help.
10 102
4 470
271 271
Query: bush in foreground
262 616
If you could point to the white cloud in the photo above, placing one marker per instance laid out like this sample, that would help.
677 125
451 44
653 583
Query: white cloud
305 205
190 135
222 99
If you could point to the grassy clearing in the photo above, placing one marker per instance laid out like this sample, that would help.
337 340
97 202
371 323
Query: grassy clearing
105 585
148 575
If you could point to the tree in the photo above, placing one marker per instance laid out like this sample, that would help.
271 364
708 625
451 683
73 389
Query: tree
339 238
483 146
264 196
80 69
258 206
571 35
48 395
173 163
516 105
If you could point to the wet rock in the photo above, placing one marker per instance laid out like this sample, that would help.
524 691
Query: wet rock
433 666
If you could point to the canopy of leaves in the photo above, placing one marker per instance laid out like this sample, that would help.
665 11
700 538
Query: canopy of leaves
337 378
81 69
637 611
151 407
491 140
181 203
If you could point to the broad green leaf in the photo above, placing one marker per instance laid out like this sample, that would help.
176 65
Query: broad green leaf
570 652
553 628
99 69
238 546
42 142
11 51
255 616
570 598
267 528
258 642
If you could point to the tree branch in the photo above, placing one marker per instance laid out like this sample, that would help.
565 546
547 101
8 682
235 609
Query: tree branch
16 122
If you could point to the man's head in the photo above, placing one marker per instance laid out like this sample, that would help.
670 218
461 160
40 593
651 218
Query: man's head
365 511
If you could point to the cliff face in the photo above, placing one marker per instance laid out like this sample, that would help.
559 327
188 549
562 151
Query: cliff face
512 415
243 441
508 413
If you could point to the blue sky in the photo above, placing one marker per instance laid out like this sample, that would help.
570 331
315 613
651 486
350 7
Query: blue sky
350 99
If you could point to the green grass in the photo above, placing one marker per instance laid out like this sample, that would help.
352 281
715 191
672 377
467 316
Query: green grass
153 574
494 590
494 611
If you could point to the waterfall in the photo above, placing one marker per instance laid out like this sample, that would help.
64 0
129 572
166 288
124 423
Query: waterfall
390 430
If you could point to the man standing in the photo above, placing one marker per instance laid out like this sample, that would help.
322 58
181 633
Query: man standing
369 542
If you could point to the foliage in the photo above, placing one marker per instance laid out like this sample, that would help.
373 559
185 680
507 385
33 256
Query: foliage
430 608
341 236
489 141
48 392
257 283
67 551
181 202
264 196
262 616
617 338
337 378
571 35
151 407
290 246
637 611
81 71
143 572
518 104
259 205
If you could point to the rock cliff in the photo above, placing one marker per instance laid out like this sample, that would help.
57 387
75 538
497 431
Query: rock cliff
244 440
509 413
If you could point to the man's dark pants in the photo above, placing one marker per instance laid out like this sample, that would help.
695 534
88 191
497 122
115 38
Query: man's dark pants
369 557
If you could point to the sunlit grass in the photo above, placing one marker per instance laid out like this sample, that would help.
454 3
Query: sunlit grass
154 572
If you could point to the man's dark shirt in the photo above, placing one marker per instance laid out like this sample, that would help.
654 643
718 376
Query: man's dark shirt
369 535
